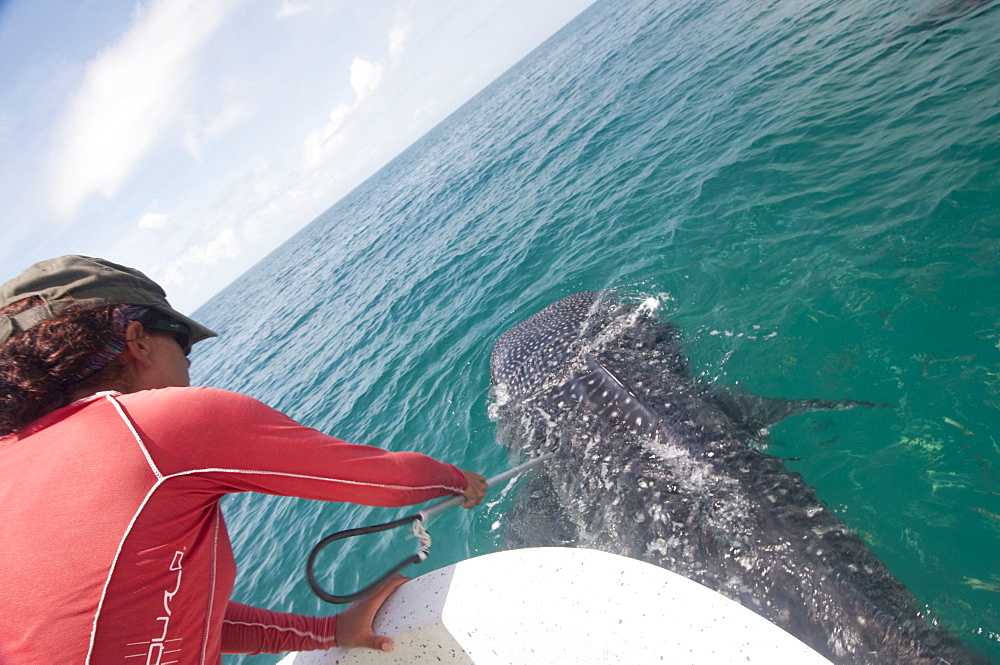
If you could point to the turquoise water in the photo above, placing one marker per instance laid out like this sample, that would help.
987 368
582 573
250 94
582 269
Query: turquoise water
812 186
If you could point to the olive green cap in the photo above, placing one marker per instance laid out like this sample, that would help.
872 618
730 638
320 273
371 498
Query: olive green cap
86 282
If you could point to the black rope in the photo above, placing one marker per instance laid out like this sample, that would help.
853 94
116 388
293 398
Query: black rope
417 520
349 533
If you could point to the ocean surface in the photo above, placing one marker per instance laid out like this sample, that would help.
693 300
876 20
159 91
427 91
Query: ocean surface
809 187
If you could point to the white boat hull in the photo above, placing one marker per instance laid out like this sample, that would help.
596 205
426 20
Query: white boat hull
566 605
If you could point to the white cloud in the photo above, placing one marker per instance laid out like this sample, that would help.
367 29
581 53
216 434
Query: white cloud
153 221
225 245
397 42
130 93
322 142
199 132
366 77
290 8
196 269
230 116
187 271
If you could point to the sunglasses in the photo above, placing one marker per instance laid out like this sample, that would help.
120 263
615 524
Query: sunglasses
180 331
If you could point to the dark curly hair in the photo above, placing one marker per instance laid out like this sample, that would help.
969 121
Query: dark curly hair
41 367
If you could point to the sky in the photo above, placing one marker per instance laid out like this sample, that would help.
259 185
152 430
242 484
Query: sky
190 138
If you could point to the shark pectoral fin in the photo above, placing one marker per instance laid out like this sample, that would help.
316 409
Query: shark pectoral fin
606 395
758 414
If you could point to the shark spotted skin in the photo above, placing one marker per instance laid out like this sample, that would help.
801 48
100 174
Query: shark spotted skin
655 465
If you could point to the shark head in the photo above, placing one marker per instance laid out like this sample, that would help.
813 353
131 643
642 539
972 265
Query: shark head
533 353
565 356
570 336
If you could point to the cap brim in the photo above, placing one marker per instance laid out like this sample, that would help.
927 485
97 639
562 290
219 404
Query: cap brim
198 331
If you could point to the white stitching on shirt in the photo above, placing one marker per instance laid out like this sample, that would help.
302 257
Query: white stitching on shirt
211 582
110 397
114 564
258 472
128 423
287 629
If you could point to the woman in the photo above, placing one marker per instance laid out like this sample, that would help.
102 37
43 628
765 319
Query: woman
111 472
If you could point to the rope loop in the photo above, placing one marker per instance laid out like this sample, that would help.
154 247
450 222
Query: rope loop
423 538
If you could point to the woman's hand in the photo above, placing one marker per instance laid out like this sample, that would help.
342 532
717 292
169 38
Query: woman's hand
475 490
354 625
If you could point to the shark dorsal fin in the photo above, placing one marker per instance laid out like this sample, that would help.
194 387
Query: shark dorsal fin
606 395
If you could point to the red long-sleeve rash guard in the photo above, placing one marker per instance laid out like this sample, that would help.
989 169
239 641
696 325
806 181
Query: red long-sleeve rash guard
114 548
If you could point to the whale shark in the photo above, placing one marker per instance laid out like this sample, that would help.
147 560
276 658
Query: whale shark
655 464
943 13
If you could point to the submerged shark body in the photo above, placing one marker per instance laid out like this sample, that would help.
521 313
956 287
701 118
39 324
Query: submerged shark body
944 12
655 465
